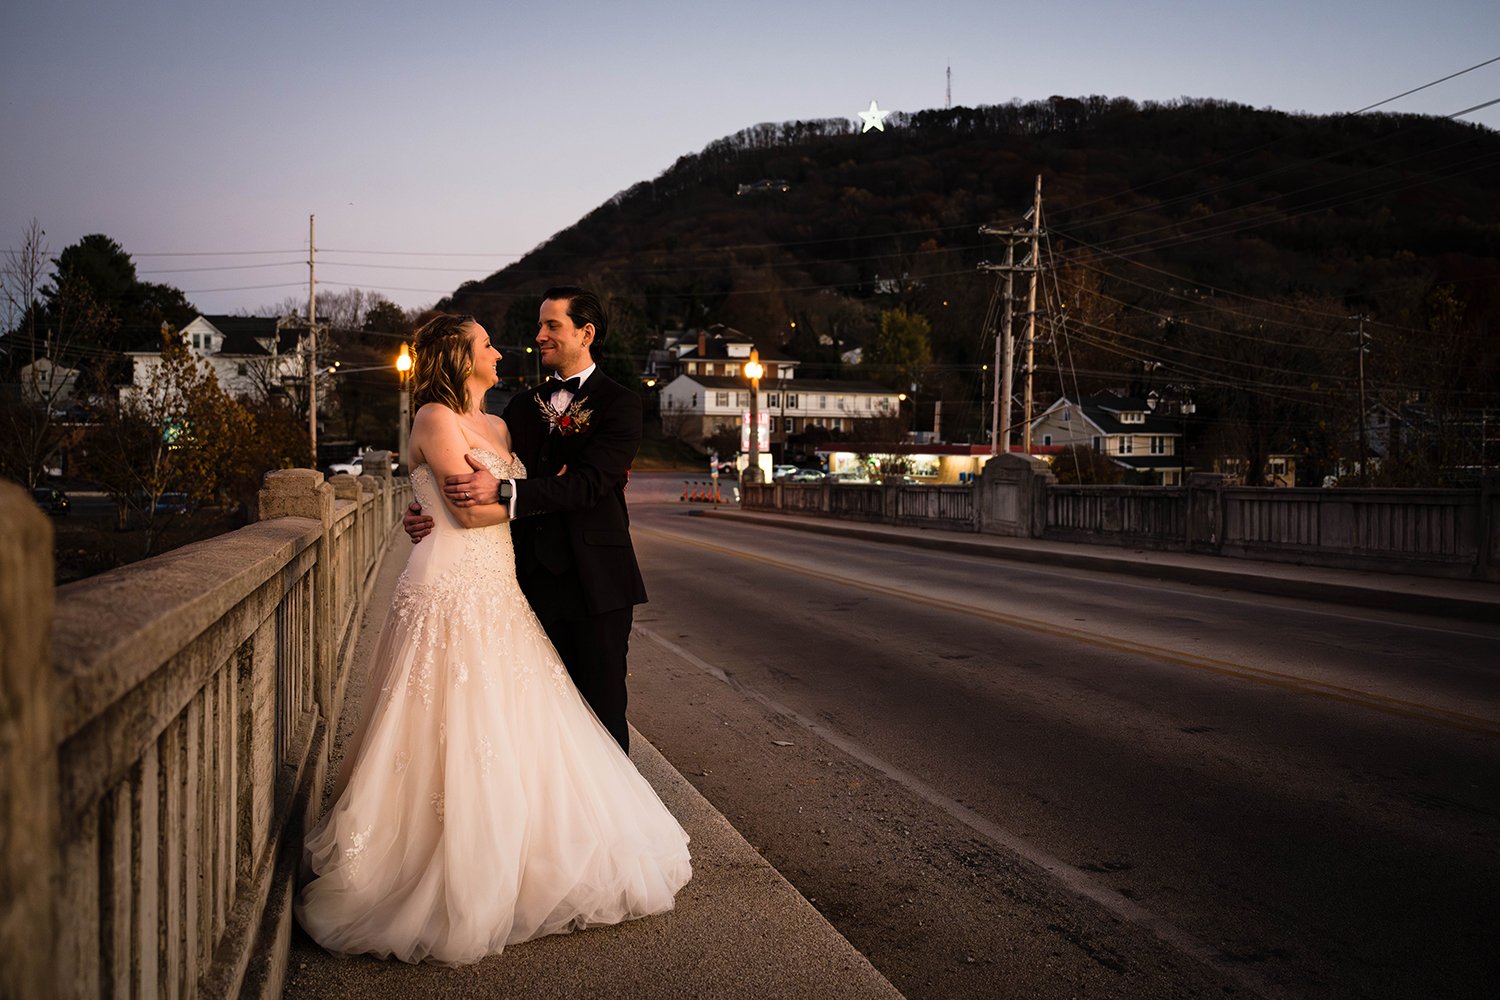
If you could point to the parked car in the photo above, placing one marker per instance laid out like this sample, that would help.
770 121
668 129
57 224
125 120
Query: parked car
174 503
50 499
782 471
805 476
356 466
848 478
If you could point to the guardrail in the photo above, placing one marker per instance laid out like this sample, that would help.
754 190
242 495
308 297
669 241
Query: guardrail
191 700
1452 533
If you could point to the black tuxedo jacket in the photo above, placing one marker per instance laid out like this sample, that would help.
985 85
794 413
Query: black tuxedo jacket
572 532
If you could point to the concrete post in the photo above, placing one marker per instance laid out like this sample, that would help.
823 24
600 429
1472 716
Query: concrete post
28 750
1205 513
378 465
346 487
303 493
1487 561
1011 496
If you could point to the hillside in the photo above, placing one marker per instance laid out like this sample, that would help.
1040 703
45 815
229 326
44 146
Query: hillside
1194 246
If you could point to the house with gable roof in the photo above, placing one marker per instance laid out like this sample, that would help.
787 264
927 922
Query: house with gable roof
1128 430
706 392
254 356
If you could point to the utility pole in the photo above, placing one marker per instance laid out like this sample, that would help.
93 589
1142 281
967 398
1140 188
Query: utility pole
312 344
1005 347
1364 448
1005 340
1036 257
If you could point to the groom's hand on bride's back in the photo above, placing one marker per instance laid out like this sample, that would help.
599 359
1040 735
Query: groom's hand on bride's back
416 523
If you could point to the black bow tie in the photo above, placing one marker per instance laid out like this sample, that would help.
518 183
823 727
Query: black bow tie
565 385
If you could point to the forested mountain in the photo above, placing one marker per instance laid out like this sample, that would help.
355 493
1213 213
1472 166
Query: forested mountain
1195 248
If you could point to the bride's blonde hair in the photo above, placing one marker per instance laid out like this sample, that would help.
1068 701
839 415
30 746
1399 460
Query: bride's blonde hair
444 360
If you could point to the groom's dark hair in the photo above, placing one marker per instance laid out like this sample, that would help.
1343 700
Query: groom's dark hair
583 307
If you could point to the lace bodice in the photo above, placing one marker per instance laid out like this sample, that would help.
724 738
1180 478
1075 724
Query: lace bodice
428 493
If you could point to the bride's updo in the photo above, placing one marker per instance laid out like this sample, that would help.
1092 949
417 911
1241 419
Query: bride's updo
444 360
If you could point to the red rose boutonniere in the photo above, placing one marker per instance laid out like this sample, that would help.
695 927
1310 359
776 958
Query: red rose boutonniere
573 420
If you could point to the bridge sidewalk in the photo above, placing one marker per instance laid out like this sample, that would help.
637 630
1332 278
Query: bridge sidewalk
1465 599
739 930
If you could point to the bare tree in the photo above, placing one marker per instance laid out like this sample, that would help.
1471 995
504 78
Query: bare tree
678 422
21 275
44 366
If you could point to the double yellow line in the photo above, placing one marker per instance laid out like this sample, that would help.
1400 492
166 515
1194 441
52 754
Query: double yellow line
1208 664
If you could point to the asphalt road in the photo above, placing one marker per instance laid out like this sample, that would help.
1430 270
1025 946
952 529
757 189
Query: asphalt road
1005 780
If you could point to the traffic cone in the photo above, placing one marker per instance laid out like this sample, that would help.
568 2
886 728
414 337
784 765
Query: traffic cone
684 491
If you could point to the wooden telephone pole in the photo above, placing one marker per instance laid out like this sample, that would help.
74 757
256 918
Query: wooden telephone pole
312 344
1036 256
1005 339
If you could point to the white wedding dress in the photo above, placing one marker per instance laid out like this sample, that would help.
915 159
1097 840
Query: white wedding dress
486 804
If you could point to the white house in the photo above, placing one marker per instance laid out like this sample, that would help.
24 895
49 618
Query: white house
714 350
252 356
694 407
45 381
1129 431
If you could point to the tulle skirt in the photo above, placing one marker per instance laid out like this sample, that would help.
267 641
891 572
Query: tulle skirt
484 804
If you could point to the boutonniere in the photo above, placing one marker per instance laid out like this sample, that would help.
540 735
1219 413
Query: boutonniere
573 420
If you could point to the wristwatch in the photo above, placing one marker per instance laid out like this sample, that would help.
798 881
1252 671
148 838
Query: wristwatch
506 491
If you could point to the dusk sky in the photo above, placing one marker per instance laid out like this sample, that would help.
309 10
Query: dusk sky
437 142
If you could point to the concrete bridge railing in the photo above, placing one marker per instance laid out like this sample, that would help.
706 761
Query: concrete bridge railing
1433 532
164 735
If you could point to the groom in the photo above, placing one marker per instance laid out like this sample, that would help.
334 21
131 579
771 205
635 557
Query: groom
577 434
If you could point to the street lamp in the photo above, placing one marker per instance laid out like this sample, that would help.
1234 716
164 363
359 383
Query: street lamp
753 371
403 368
1186 408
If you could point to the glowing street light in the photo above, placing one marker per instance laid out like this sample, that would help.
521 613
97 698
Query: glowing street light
753 371
403 368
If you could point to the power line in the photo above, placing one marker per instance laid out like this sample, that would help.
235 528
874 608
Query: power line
1434 83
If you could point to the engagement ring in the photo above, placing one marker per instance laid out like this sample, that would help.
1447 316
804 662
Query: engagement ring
466 494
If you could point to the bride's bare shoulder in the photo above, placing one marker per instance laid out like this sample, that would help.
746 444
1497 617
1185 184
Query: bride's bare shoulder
436 415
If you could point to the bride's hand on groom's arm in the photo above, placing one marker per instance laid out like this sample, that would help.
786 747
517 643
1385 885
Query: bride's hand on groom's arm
476 488
416 523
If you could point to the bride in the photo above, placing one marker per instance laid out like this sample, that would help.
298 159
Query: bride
482 803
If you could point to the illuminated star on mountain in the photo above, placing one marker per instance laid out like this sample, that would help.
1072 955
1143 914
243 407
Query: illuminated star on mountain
874 118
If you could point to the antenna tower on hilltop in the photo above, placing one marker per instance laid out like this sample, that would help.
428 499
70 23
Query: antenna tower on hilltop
949 105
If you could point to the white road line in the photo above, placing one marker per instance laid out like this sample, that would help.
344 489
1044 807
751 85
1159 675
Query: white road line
1131 581
1296 683
1074 879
